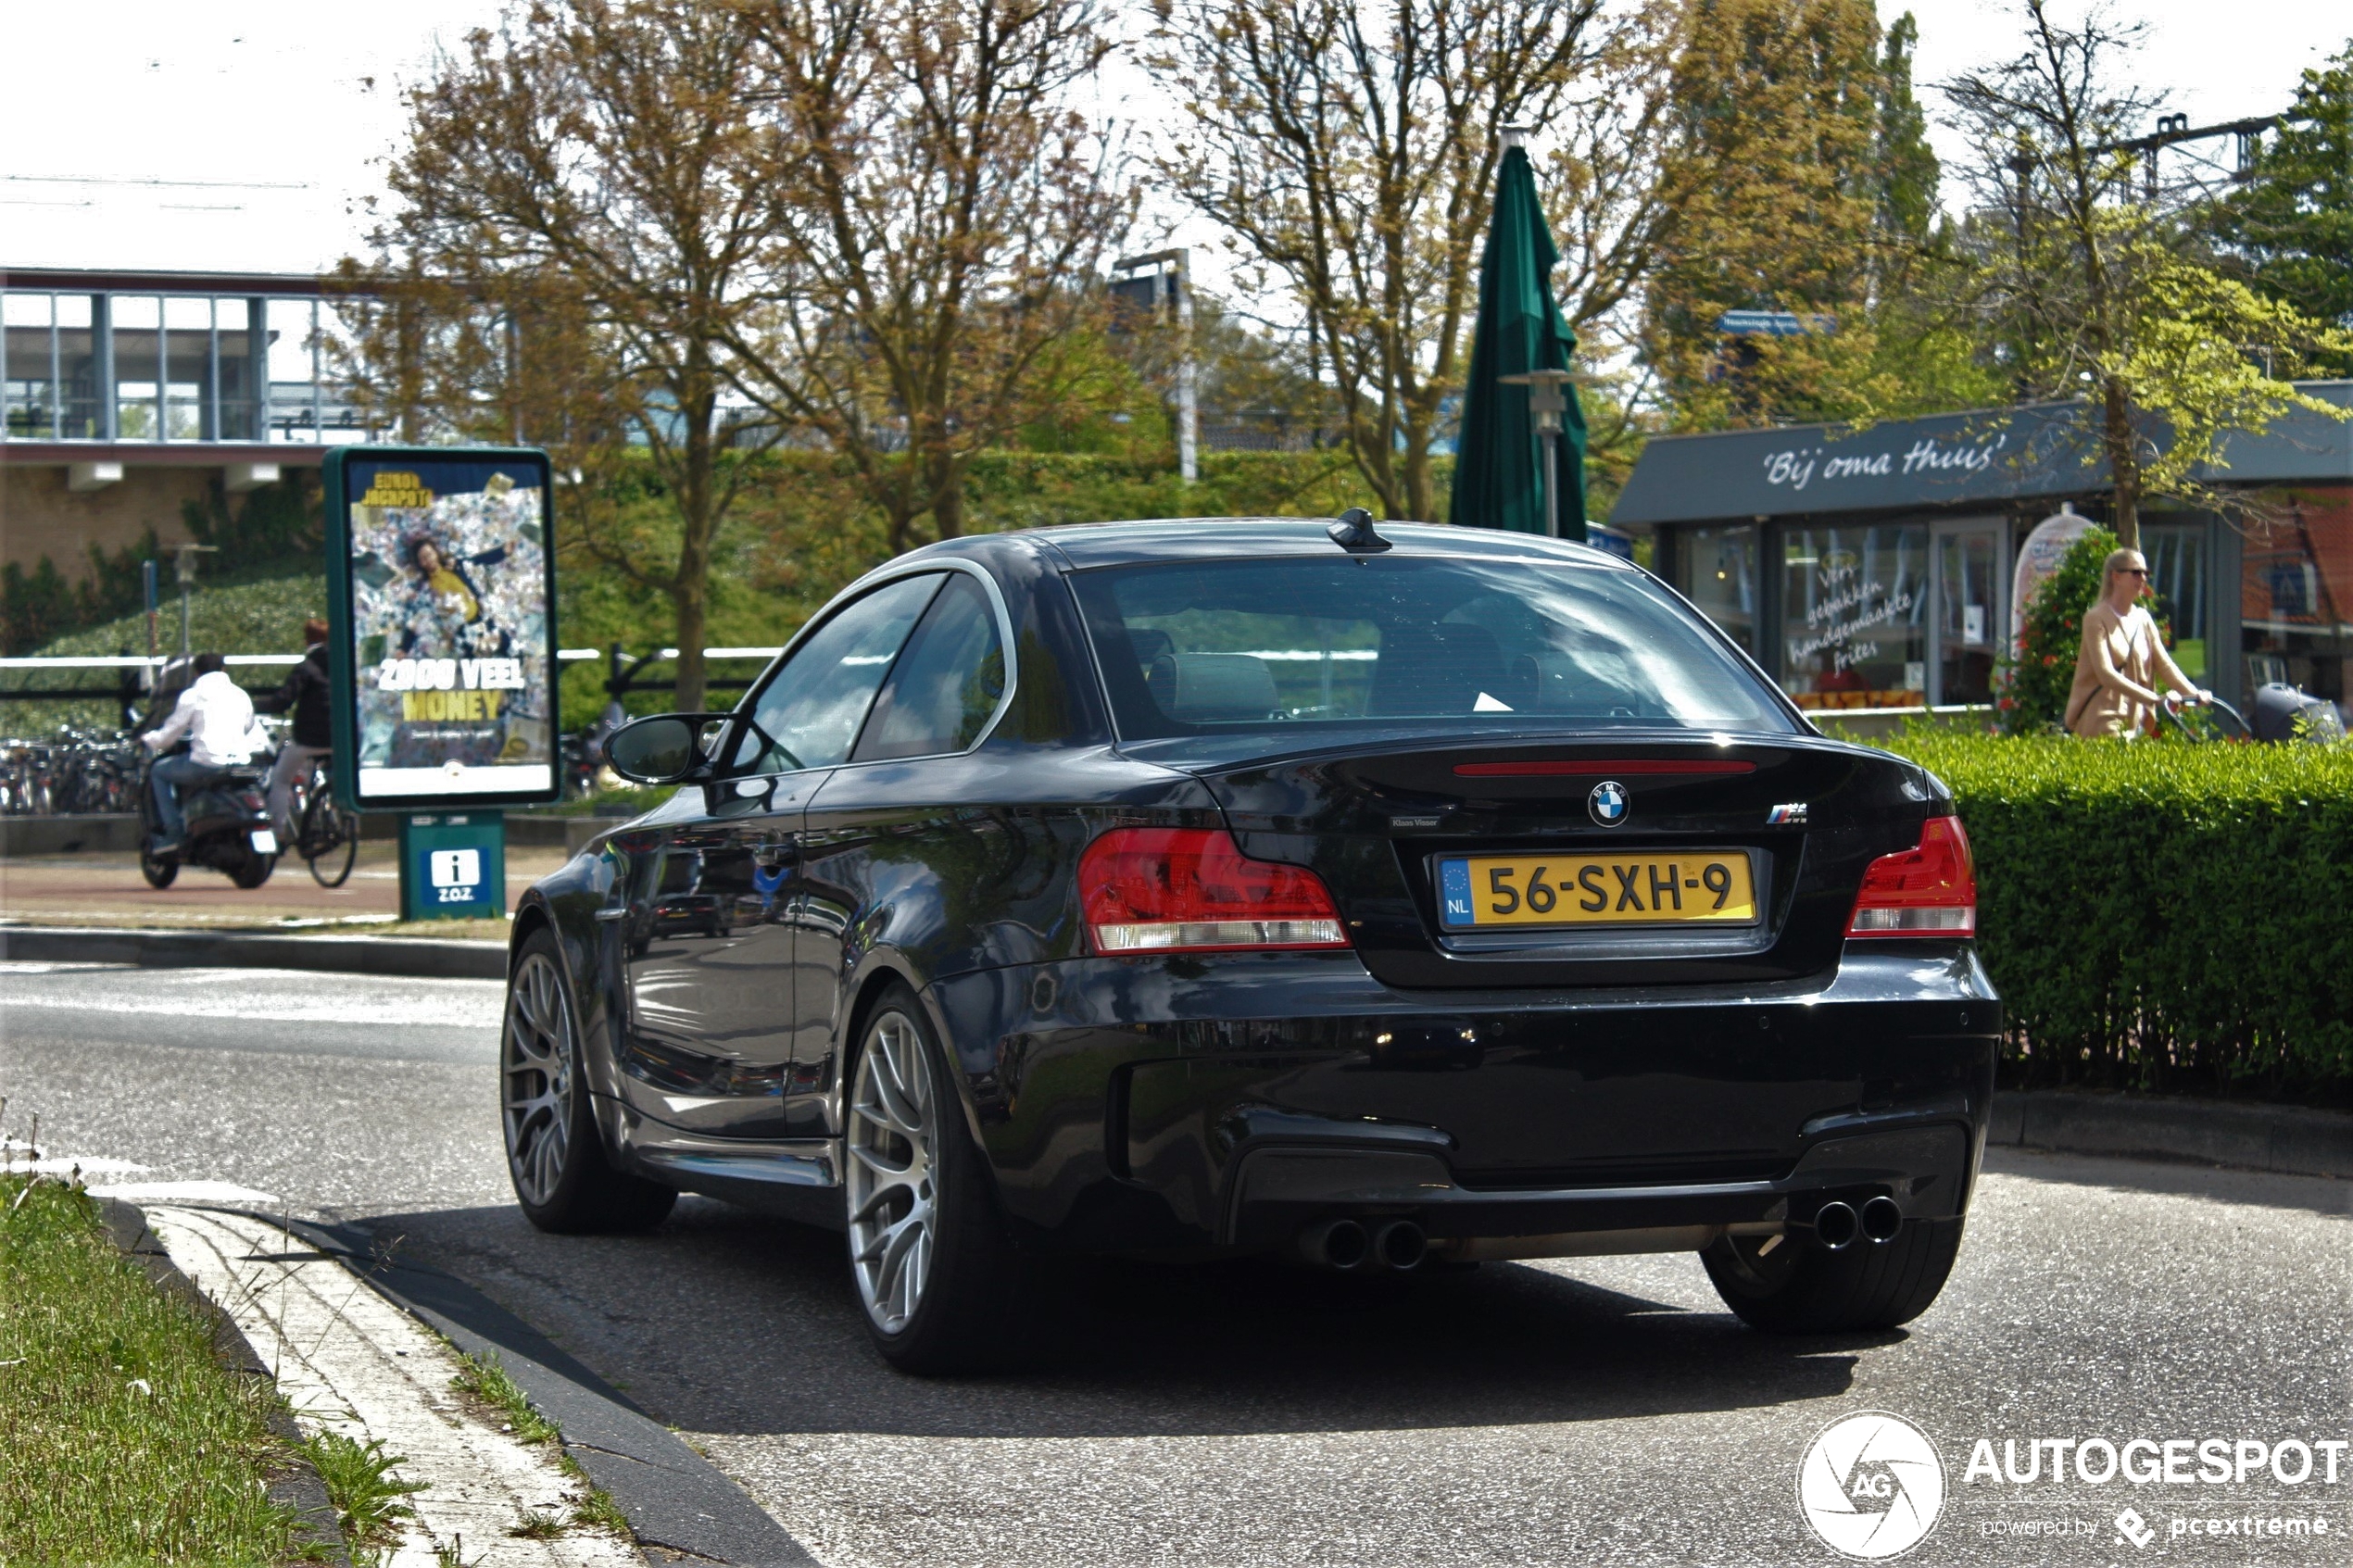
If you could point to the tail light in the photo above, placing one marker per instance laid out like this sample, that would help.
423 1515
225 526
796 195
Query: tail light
1930 891
1168 890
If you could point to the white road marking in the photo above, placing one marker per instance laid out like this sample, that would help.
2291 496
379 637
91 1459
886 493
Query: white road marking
182 1191
349 1361
262 995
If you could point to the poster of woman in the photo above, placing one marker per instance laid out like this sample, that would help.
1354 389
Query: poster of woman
451 653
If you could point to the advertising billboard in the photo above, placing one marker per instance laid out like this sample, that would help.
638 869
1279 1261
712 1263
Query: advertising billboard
443 594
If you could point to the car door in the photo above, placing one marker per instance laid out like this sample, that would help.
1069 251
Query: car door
712 991
896 821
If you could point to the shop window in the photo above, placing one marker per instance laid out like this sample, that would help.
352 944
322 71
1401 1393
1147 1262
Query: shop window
2296 591
2176 553
137 323
1854 620
31 384
1716 569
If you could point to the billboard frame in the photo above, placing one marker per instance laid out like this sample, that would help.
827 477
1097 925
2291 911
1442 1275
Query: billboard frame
342 665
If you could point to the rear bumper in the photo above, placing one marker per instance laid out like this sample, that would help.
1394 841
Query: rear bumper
1279 1190
1146 1105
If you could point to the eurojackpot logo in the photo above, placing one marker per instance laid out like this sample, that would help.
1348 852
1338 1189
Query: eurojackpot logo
1871 1486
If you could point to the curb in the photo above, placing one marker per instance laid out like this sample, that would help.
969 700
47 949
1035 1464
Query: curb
298 1487
676 1501
2285 1139
116 833
422 958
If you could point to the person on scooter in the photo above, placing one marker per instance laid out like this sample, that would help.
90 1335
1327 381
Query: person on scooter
305 694
217 717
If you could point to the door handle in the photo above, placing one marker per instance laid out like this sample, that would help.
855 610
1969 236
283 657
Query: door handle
605 917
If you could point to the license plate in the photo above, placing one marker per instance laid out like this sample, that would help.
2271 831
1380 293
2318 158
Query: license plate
264 841
1712 887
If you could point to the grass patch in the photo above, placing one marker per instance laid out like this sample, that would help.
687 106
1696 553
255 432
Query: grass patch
487 1381
122 1438
370 1497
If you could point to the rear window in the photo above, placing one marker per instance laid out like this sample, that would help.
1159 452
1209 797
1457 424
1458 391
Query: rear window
1383 641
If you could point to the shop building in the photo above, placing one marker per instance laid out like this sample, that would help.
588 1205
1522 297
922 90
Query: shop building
1873 568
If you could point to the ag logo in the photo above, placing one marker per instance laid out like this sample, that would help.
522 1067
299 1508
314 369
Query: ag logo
1871 1486
1607 805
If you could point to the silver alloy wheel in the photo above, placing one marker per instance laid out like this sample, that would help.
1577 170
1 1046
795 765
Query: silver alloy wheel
536 1059
893 1144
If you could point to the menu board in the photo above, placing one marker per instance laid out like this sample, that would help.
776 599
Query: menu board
444 632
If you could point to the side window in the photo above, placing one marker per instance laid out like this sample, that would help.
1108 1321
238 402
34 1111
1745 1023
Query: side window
808 713
945 684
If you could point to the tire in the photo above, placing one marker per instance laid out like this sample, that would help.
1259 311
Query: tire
330 841
937 1278
555 1157
1812 1290
158 872
254 870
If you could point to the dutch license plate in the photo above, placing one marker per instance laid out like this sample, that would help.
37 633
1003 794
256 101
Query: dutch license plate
1715 887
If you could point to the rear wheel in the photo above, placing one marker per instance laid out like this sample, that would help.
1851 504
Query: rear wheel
254 870
1798 1287
935 1271
554 1156
330 840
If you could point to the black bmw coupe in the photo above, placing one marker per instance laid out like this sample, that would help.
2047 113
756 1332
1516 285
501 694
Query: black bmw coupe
1373 895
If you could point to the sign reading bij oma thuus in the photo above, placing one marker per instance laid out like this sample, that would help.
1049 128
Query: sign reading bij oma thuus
442 593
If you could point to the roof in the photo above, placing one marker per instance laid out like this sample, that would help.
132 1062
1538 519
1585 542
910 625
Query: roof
1982 456
72 279
1194 538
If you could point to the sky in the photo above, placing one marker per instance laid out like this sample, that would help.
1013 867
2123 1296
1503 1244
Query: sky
249 135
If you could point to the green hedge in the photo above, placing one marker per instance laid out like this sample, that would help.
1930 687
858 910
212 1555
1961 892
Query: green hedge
2161 915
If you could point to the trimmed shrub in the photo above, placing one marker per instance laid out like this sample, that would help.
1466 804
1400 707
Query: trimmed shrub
2161 915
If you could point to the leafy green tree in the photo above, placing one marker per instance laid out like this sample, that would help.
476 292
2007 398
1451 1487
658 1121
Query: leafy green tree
2096 291
2292 220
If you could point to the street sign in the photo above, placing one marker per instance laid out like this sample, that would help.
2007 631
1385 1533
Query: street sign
442 604
453 865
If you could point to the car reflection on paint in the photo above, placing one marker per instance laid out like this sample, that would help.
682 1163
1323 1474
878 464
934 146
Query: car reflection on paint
1359 896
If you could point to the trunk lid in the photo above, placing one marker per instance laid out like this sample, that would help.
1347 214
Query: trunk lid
1380 823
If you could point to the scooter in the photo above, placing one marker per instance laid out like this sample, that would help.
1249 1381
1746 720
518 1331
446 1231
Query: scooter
228 829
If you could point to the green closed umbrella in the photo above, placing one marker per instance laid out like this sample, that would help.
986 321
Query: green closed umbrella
1499 461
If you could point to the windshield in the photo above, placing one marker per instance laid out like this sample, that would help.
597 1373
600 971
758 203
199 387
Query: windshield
1194 648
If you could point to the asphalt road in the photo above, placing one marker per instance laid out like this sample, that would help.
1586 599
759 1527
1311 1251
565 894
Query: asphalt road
1584 1410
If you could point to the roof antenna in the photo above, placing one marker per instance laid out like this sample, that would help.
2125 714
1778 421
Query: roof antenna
1352 532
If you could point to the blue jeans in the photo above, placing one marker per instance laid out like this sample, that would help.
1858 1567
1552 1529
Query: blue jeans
167 779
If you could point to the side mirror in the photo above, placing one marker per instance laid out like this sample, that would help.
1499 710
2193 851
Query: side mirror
663 750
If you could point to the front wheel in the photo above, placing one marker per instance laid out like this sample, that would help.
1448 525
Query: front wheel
935 1271
554 1156
158 870
1799 1287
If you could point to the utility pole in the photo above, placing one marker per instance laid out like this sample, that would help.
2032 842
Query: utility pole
1172 284
187 573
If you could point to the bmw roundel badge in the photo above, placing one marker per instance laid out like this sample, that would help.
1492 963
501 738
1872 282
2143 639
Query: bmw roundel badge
1607 803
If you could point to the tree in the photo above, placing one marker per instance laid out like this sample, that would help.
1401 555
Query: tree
2096 291
583 206
1350 148
2292 221
933 248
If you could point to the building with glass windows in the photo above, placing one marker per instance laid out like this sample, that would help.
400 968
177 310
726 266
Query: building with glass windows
1874 569
129 394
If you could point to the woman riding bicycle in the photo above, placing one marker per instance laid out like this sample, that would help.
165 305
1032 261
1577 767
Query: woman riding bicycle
313 738
2123 659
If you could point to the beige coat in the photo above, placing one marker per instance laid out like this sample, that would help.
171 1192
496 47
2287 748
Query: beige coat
2117 673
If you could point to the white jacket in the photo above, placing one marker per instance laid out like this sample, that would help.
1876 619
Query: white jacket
217 717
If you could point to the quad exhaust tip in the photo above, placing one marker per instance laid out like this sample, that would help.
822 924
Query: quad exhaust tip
1836 1226
1345 1245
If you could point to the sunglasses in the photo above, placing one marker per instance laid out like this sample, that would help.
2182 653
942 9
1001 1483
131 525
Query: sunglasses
2132 571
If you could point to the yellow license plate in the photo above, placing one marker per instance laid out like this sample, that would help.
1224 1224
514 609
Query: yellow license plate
1641 888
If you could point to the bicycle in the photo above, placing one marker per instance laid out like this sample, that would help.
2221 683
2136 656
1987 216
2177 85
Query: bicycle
326 835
